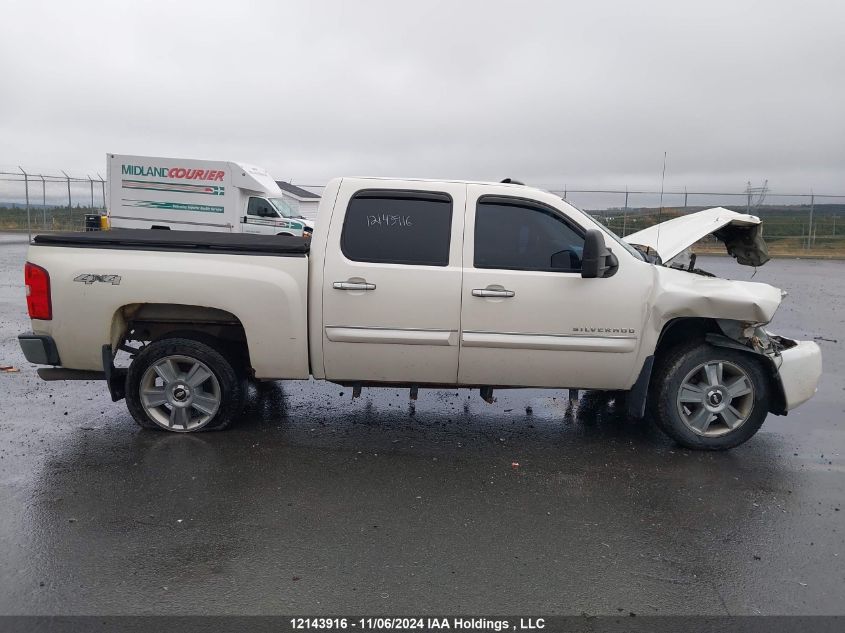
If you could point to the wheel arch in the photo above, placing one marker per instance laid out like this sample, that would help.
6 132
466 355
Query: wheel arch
146 322
684 329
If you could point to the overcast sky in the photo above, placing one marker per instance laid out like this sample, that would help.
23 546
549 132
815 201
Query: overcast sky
585 94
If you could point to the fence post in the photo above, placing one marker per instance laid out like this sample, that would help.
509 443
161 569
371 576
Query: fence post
43 203
26 187
91 182
103 184
69 201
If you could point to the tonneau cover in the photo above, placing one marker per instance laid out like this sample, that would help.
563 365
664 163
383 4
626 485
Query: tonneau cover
183 241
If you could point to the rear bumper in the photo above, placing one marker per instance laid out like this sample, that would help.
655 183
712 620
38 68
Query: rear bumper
39 349
799 372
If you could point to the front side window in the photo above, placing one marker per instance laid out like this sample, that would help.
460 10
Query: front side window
261 208
398 227
286 208
516 234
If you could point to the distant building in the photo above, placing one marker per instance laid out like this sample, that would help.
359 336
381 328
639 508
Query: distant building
302 200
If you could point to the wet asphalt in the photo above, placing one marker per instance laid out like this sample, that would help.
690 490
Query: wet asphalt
319 504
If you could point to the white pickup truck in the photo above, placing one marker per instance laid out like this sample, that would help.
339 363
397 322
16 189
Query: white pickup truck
422 283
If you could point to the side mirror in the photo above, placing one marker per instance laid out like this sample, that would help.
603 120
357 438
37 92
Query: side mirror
597 260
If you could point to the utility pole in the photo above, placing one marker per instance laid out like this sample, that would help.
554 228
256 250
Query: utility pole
625 213
748 200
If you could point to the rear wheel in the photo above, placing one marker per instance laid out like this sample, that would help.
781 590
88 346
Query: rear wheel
183 385
707 397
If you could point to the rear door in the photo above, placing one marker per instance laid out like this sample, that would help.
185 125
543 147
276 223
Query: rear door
392 282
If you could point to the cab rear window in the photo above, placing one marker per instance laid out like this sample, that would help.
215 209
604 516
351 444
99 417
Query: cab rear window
398 227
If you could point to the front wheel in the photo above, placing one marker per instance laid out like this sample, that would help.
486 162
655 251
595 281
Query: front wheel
183 385
710 398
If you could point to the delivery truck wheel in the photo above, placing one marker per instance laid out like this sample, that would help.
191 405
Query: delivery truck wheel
184 385
709 398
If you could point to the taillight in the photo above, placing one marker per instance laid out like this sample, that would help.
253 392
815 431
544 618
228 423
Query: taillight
38 300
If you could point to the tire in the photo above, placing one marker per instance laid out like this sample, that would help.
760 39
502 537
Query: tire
184 385
703 407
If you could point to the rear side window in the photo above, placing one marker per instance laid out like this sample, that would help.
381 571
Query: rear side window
398 227
516 234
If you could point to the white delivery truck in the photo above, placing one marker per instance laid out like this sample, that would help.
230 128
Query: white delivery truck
198 195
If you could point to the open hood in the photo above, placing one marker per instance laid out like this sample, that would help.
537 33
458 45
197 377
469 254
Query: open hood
740 233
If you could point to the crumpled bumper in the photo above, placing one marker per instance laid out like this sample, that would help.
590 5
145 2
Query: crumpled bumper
799 371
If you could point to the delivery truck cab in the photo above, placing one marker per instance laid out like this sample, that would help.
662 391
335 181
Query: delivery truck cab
150 192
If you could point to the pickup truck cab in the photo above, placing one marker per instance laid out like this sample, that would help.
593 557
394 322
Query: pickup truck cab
421 283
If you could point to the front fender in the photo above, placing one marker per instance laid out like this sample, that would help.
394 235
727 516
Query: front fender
683 294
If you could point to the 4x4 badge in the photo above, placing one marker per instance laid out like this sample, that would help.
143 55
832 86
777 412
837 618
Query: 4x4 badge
89 279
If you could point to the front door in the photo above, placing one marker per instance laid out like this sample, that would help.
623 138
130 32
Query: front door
392 284
261 217
528 317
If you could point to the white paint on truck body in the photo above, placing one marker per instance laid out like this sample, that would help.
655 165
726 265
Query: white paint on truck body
250 287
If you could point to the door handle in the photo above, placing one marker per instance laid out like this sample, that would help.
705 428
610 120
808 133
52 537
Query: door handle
353 285
490 292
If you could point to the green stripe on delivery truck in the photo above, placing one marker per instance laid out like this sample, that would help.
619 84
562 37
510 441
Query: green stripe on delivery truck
172 206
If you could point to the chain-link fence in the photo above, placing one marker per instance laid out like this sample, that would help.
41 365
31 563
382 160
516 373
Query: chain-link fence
38 202
794 223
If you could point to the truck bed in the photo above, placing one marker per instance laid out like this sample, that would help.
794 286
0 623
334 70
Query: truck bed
102 280
180 241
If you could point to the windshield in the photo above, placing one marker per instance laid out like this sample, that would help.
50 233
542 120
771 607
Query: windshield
284 209
607 231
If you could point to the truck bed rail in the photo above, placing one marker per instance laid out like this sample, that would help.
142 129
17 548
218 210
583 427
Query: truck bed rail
181 241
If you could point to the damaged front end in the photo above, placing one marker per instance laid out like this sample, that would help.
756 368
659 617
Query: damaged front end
740 311
796 366
736 311
668 243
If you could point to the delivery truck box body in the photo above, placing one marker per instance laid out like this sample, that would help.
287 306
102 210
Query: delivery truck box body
198 195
